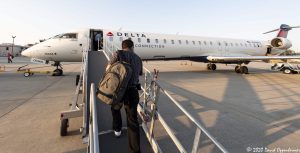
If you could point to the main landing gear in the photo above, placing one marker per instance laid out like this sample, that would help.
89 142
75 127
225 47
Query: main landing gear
211 66
58 71
241 69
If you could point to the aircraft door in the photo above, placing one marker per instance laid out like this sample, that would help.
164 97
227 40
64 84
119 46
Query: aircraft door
96 37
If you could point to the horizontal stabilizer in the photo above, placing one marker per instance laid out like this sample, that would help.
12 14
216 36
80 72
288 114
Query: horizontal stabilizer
283 30
271 31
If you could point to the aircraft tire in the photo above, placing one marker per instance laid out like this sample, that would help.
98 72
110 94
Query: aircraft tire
64 127
61 72
237 69
244 70
208 66
57 72
213 67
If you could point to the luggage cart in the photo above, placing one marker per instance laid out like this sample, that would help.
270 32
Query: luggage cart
286 68
29 72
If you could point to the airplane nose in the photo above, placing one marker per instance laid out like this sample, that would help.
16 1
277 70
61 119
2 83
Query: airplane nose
26 53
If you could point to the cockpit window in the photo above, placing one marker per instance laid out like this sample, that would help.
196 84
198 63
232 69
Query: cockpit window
67 36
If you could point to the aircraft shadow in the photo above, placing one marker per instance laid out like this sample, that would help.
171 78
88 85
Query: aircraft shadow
238 117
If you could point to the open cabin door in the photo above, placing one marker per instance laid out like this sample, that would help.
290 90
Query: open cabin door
96 37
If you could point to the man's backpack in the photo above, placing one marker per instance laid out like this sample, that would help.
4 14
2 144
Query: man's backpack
113 84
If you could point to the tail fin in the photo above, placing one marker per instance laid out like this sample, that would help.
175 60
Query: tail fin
283 30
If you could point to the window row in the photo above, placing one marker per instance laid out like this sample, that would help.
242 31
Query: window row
211 43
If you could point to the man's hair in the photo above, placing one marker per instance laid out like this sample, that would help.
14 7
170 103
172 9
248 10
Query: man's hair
128 43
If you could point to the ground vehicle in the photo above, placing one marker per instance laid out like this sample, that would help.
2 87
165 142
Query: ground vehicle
286 68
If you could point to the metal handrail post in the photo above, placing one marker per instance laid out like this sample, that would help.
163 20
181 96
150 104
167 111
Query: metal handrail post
196 140
94 121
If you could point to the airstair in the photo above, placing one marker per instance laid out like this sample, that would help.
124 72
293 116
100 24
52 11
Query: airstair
97 118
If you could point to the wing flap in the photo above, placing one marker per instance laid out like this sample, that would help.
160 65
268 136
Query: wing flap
248 58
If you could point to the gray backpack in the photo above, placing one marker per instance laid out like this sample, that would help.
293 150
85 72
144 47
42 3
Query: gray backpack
113 85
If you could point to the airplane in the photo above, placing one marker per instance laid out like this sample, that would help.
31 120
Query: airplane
69 47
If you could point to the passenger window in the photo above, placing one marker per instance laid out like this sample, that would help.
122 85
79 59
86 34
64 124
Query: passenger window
194 43
187 42
165 41
172 41
148 40
241 44
156 40
199 42
219 43
139 40
69 36
226 44
246 45
211 43
204 42
236 44
231 44
250 45
179 41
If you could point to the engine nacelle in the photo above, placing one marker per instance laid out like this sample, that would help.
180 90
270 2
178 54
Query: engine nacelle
281 43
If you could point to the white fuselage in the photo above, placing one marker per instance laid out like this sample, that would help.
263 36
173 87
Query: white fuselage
69 47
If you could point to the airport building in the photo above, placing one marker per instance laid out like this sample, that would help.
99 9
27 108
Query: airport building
9 47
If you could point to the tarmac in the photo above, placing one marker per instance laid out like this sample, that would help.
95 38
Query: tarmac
30 110
245 113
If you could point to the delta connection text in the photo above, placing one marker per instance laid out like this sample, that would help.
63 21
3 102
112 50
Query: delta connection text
139 35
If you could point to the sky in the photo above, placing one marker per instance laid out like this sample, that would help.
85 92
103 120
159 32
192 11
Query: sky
32 20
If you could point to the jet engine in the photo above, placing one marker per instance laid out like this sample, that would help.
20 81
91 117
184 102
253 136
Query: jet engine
281 43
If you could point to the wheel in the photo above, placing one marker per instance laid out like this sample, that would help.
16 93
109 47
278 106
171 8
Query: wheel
287 71
57 72
64 127
237 69
208 66
244 70
26 74
77 79
60 72
213 67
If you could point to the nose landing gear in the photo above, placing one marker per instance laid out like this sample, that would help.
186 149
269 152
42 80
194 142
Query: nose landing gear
58 71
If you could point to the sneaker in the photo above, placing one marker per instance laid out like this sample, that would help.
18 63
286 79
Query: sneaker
117 134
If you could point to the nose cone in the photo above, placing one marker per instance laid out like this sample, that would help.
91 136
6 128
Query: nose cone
26 52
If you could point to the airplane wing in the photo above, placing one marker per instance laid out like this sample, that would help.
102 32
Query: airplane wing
248 58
